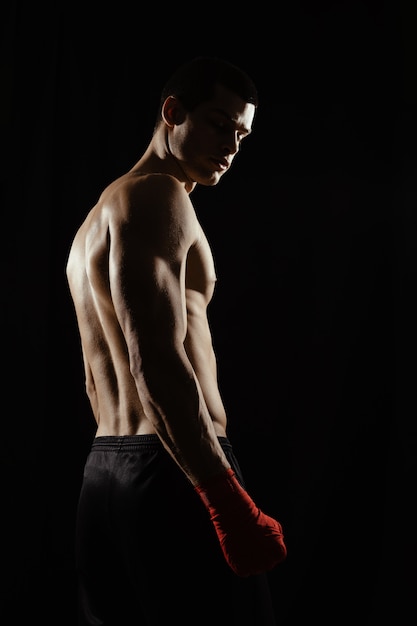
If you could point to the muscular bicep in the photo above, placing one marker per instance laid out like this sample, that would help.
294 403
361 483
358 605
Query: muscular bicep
148 252
148 296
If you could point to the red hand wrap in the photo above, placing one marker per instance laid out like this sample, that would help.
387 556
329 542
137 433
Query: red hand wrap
252 542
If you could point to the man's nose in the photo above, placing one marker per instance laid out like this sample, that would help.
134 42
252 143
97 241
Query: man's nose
232 143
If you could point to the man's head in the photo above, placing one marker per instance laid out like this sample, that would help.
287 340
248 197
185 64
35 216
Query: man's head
194 82
207 109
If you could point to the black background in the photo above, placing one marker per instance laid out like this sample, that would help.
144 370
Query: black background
313 233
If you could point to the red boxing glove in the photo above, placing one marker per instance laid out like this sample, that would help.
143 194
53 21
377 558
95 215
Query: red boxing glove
252 542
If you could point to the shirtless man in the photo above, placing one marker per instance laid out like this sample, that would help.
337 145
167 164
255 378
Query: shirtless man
166 531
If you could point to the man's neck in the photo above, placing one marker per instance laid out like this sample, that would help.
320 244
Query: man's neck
158 158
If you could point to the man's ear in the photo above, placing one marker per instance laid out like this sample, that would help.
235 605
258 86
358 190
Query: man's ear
173 112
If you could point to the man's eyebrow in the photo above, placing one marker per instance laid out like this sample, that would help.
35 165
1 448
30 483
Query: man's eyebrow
230 119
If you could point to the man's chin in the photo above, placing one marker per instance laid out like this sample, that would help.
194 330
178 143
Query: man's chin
211 180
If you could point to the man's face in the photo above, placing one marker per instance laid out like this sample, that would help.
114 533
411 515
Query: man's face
209 138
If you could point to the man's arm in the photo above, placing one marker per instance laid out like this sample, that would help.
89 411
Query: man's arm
147 279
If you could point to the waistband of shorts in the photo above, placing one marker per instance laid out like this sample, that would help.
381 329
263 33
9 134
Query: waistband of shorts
136 442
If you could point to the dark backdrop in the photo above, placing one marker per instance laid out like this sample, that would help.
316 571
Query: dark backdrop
313 233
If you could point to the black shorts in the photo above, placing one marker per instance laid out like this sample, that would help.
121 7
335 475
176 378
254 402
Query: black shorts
147 553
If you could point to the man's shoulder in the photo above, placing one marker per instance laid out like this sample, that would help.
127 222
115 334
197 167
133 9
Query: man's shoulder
136 180
137 188
146 203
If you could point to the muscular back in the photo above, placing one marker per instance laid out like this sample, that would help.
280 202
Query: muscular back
141 276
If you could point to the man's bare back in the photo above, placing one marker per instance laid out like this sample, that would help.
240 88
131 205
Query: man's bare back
127 222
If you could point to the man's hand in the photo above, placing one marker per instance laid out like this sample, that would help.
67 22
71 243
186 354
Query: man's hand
252 542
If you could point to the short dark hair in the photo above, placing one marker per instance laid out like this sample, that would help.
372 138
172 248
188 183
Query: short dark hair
194 82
